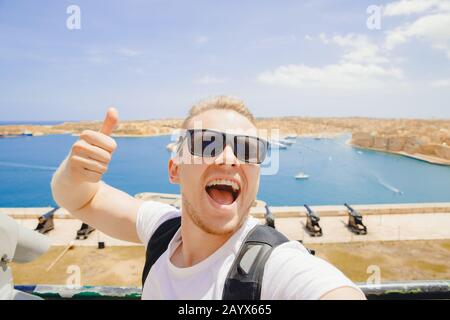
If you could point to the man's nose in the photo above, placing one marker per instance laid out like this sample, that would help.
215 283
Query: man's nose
227 157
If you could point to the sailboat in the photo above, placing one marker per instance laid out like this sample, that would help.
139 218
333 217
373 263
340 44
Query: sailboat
301 176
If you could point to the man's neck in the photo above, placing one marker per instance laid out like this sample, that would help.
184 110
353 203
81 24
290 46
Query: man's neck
196 246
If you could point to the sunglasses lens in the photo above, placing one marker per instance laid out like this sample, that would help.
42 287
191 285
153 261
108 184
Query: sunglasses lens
250 149
205 143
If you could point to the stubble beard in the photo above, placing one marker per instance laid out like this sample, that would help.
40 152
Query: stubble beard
195 216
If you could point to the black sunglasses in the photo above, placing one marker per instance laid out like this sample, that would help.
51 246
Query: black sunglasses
210 143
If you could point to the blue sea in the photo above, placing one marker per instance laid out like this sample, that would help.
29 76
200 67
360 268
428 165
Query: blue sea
42 123
337 172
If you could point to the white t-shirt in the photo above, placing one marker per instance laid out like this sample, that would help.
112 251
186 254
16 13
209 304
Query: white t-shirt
290 272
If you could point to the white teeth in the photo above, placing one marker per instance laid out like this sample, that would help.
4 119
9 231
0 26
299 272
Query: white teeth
233 184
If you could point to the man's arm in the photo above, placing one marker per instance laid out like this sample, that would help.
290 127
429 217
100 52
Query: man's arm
343 293
77 185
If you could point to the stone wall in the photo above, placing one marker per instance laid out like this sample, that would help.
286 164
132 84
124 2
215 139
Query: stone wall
434 146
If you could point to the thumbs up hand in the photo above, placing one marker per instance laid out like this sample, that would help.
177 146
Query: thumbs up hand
90 155
110 122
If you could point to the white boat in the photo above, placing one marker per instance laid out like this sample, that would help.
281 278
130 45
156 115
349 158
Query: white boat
291 136
286 141
301 175
277 144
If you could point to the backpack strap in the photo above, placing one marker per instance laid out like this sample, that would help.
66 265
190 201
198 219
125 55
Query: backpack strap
158 243
244 280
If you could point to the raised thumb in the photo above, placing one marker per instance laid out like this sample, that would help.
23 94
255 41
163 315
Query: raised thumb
110 122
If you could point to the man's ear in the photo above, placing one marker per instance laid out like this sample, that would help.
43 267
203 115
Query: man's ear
174 172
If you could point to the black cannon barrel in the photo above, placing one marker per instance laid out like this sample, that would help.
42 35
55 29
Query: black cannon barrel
349 208
309 209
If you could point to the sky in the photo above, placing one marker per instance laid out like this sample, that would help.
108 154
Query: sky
154 59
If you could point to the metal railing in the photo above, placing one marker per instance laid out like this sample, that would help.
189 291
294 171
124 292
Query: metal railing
436 289
433 289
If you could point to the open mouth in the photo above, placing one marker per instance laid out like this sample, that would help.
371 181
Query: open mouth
222 191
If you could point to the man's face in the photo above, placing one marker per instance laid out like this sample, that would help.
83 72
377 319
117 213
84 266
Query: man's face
207 198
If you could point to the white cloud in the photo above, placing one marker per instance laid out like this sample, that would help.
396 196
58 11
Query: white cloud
130 53
365 63
323 38
362 64
441 83
358 49
409 7
339 75
432 25
102 57
96 57
207 79
200 39
434 28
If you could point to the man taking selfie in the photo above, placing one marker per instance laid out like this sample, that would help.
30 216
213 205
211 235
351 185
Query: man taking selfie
210 248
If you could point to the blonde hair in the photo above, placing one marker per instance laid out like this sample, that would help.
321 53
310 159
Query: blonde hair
218 103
